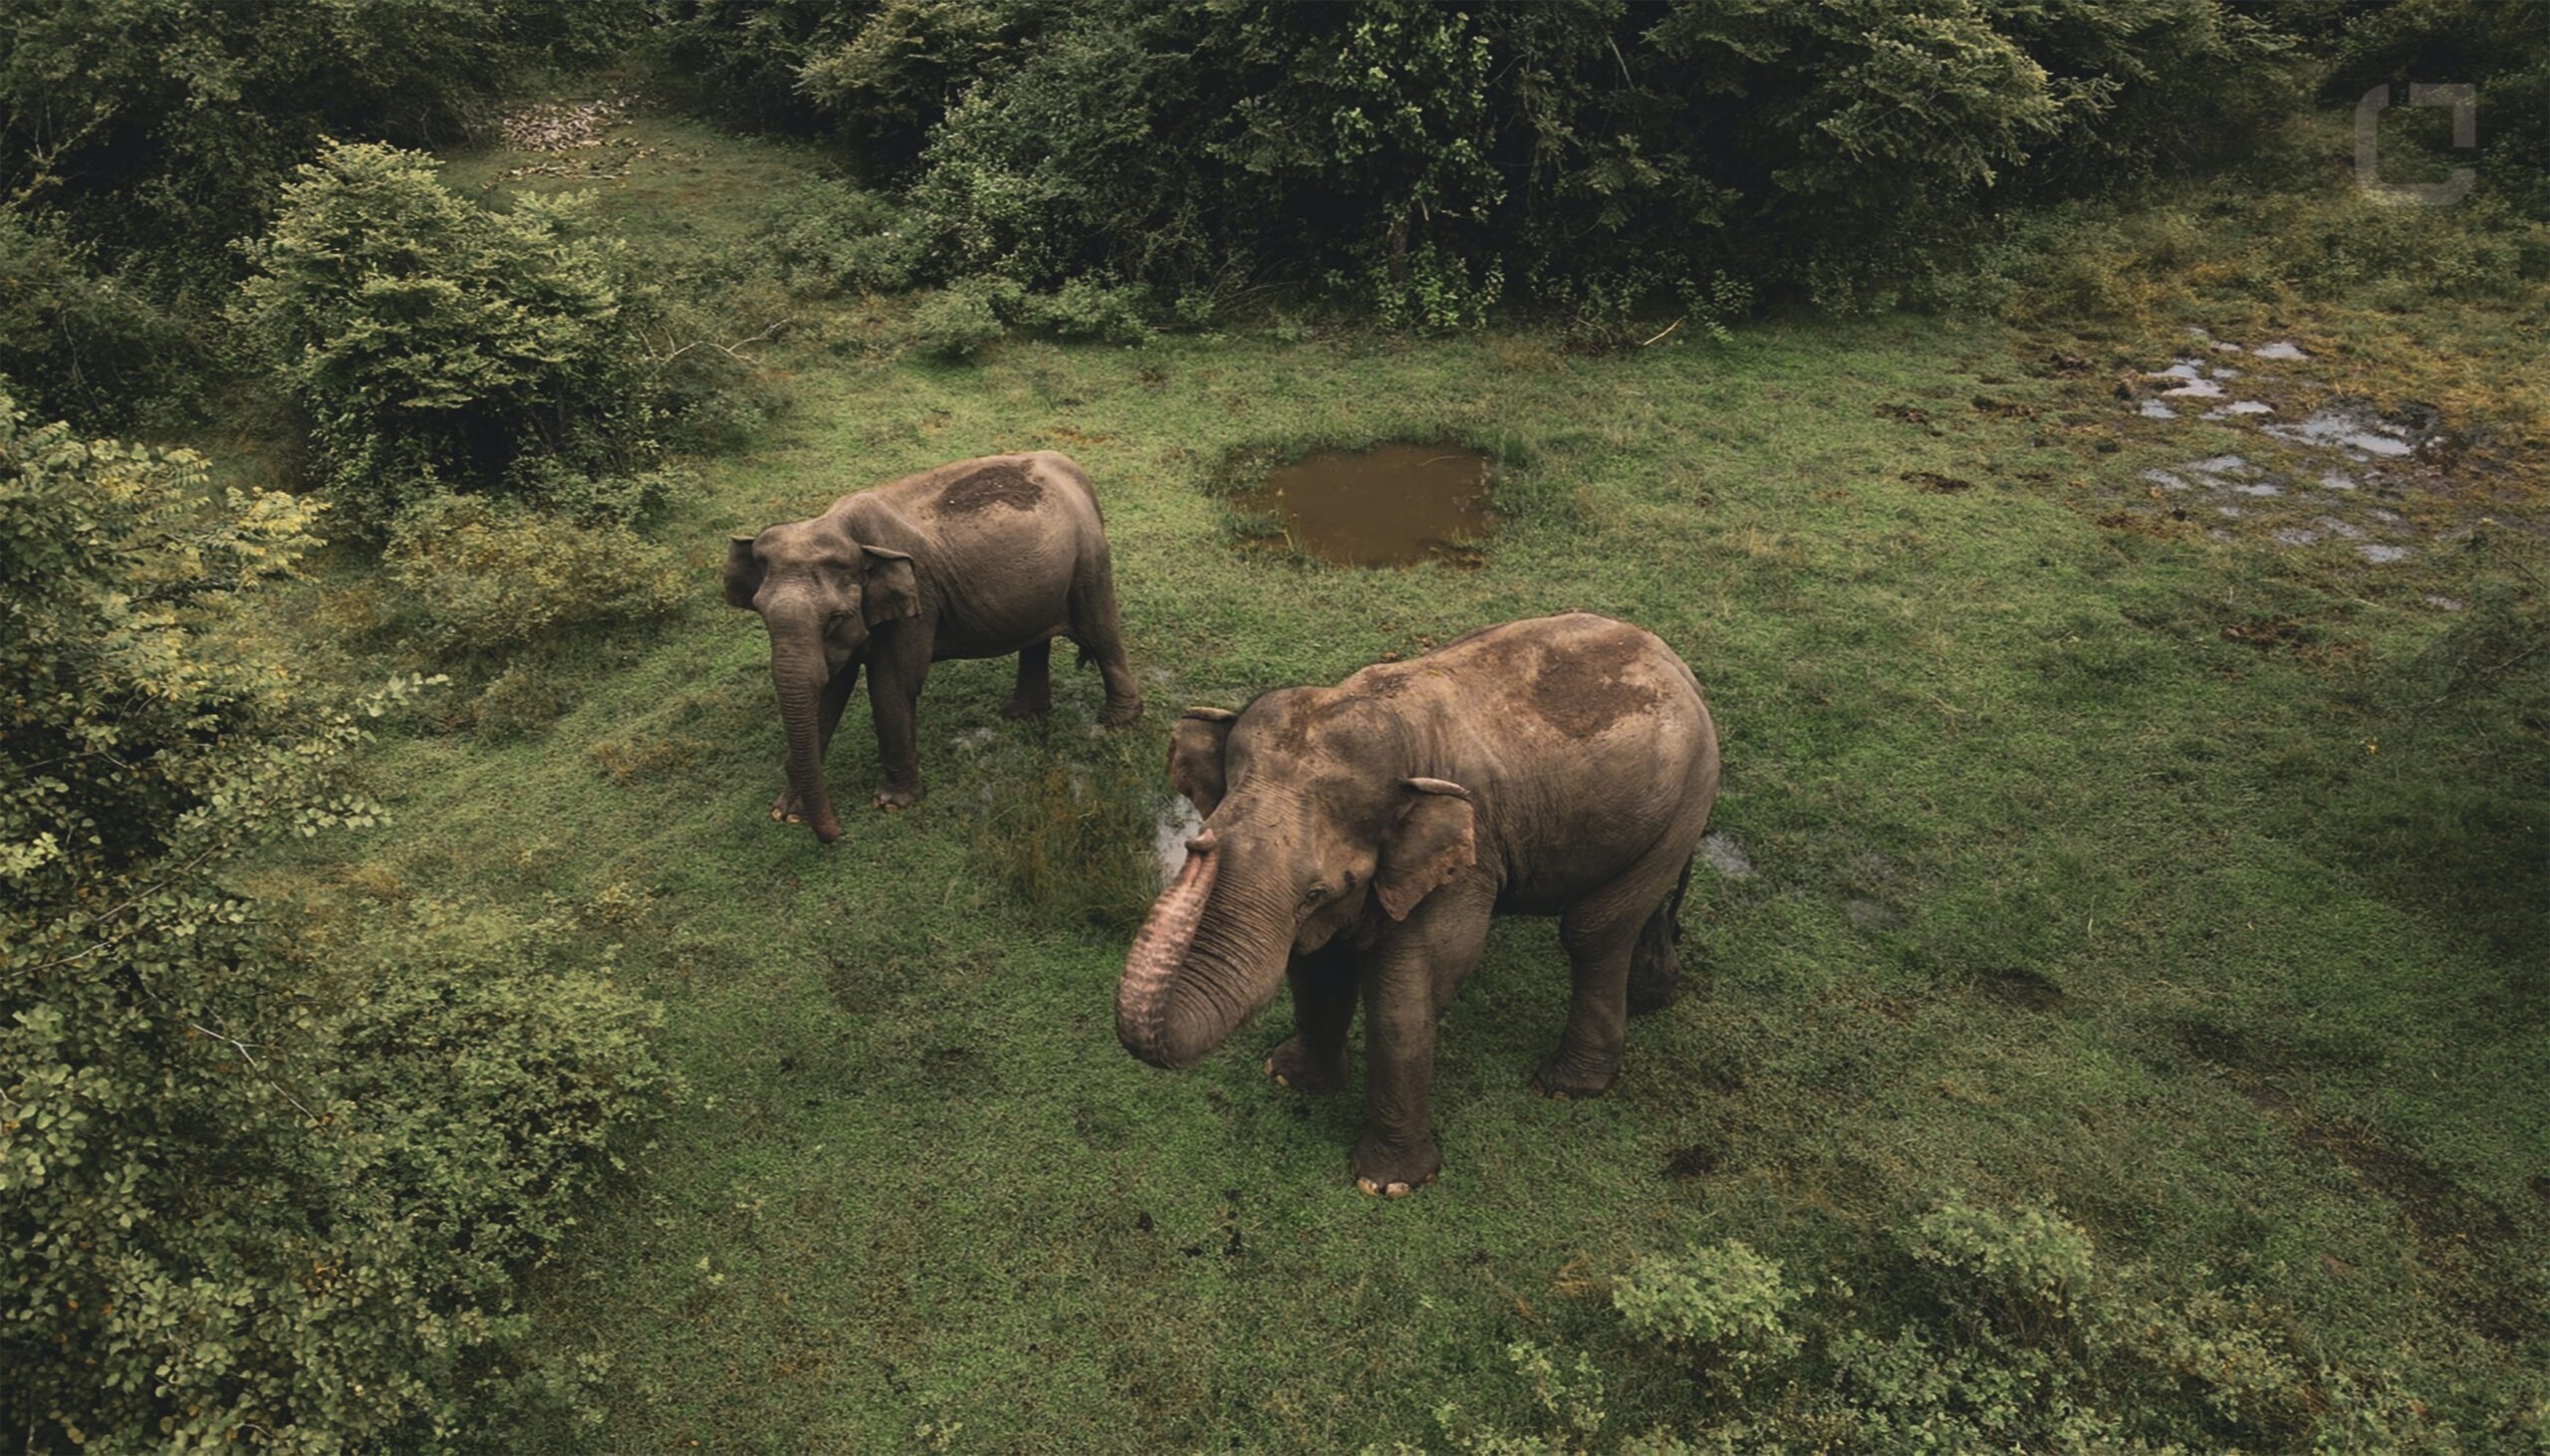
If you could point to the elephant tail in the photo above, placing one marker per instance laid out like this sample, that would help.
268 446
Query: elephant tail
1086 657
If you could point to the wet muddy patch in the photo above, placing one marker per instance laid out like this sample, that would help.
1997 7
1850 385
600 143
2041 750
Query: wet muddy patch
2320 471
1384 506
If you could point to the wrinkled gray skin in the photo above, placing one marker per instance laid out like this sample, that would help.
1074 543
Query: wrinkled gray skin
1356 838
976 559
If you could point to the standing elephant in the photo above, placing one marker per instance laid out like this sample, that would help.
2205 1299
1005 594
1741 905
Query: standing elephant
1356 838
977 559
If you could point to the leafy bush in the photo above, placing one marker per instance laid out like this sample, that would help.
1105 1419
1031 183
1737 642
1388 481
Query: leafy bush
1723 1305
82 343
1086 308
244 1196
880 72
434 344
2501 51
167 127
1419 156
2003 1330
487 577
824 239
956 322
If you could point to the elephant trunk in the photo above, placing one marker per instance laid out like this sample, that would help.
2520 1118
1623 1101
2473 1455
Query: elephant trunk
1190 979
799 676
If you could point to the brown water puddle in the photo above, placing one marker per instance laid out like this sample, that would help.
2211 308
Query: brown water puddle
1386 506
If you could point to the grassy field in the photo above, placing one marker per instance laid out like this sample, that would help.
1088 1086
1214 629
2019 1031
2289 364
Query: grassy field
2094 851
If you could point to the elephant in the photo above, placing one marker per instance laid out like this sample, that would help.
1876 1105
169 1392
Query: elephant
976 559
1357 839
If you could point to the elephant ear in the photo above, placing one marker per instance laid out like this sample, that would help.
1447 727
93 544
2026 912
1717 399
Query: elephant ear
743 572
888 591
1434 839
1196 748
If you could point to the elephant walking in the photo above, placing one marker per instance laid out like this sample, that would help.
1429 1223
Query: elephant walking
976 559
1356 838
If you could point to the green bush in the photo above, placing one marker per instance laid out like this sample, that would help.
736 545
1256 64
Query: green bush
824 239
80 344
434 344
166 128
882 73
487 578
1993 1329
1418 158
1086 308
956 322
2501 50
1724 1306
244 1195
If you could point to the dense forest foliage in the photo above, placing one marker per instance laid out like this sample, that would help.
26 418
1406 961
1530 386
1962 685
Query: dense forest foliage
256 1185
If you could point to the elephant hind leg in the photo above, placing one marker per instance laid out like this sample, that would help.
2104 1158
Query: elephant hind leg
1101 636
1655 966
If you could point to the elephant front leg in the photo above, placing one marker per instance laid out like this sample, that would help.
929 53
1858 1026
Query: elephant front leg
1408 981
1034 695
1313 1058
894 700
1398 1155
828 708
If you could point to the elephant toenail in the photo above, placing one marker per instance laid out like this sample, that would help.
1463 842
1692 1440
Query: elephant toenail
1398 1190
1367 1185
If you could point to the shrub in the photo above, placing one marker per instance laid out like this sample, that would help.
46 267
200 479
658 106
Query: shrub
1416 156
1724 1306
2004 1330
244 1196
433 344
955 322
2501 51
487 577
1086 308
2025 1271
824 239
167 127
79 343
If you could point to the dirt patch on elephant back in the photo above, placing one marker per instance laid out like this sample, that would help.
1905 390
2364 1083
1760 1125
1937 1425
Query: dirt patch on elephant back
1390 505
1004 484
1582 689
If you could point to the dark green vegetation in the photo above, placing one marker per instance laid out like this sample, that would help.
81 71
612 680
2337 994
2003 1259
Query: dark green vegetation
263 1179
2125 969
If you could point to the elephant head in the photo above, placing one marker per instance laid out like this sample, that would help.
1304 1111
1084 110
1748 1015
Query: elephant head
1313 825
820 591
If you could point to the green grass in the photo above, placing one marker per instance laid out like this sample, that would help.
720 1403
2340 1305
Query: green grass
2061 895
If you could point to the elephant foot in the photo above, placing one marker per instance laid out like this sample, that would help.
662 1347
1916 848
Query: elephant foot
1391 1170
1027 707
785 808
1568 1081
1292 1066
1120 714
892 800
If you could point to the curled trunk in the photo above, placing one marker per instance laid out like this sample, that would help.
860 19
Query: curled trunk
1205 959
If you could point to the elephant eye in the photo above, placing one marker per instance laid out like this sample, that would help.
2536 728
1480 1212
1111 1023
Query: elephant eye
1317 893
